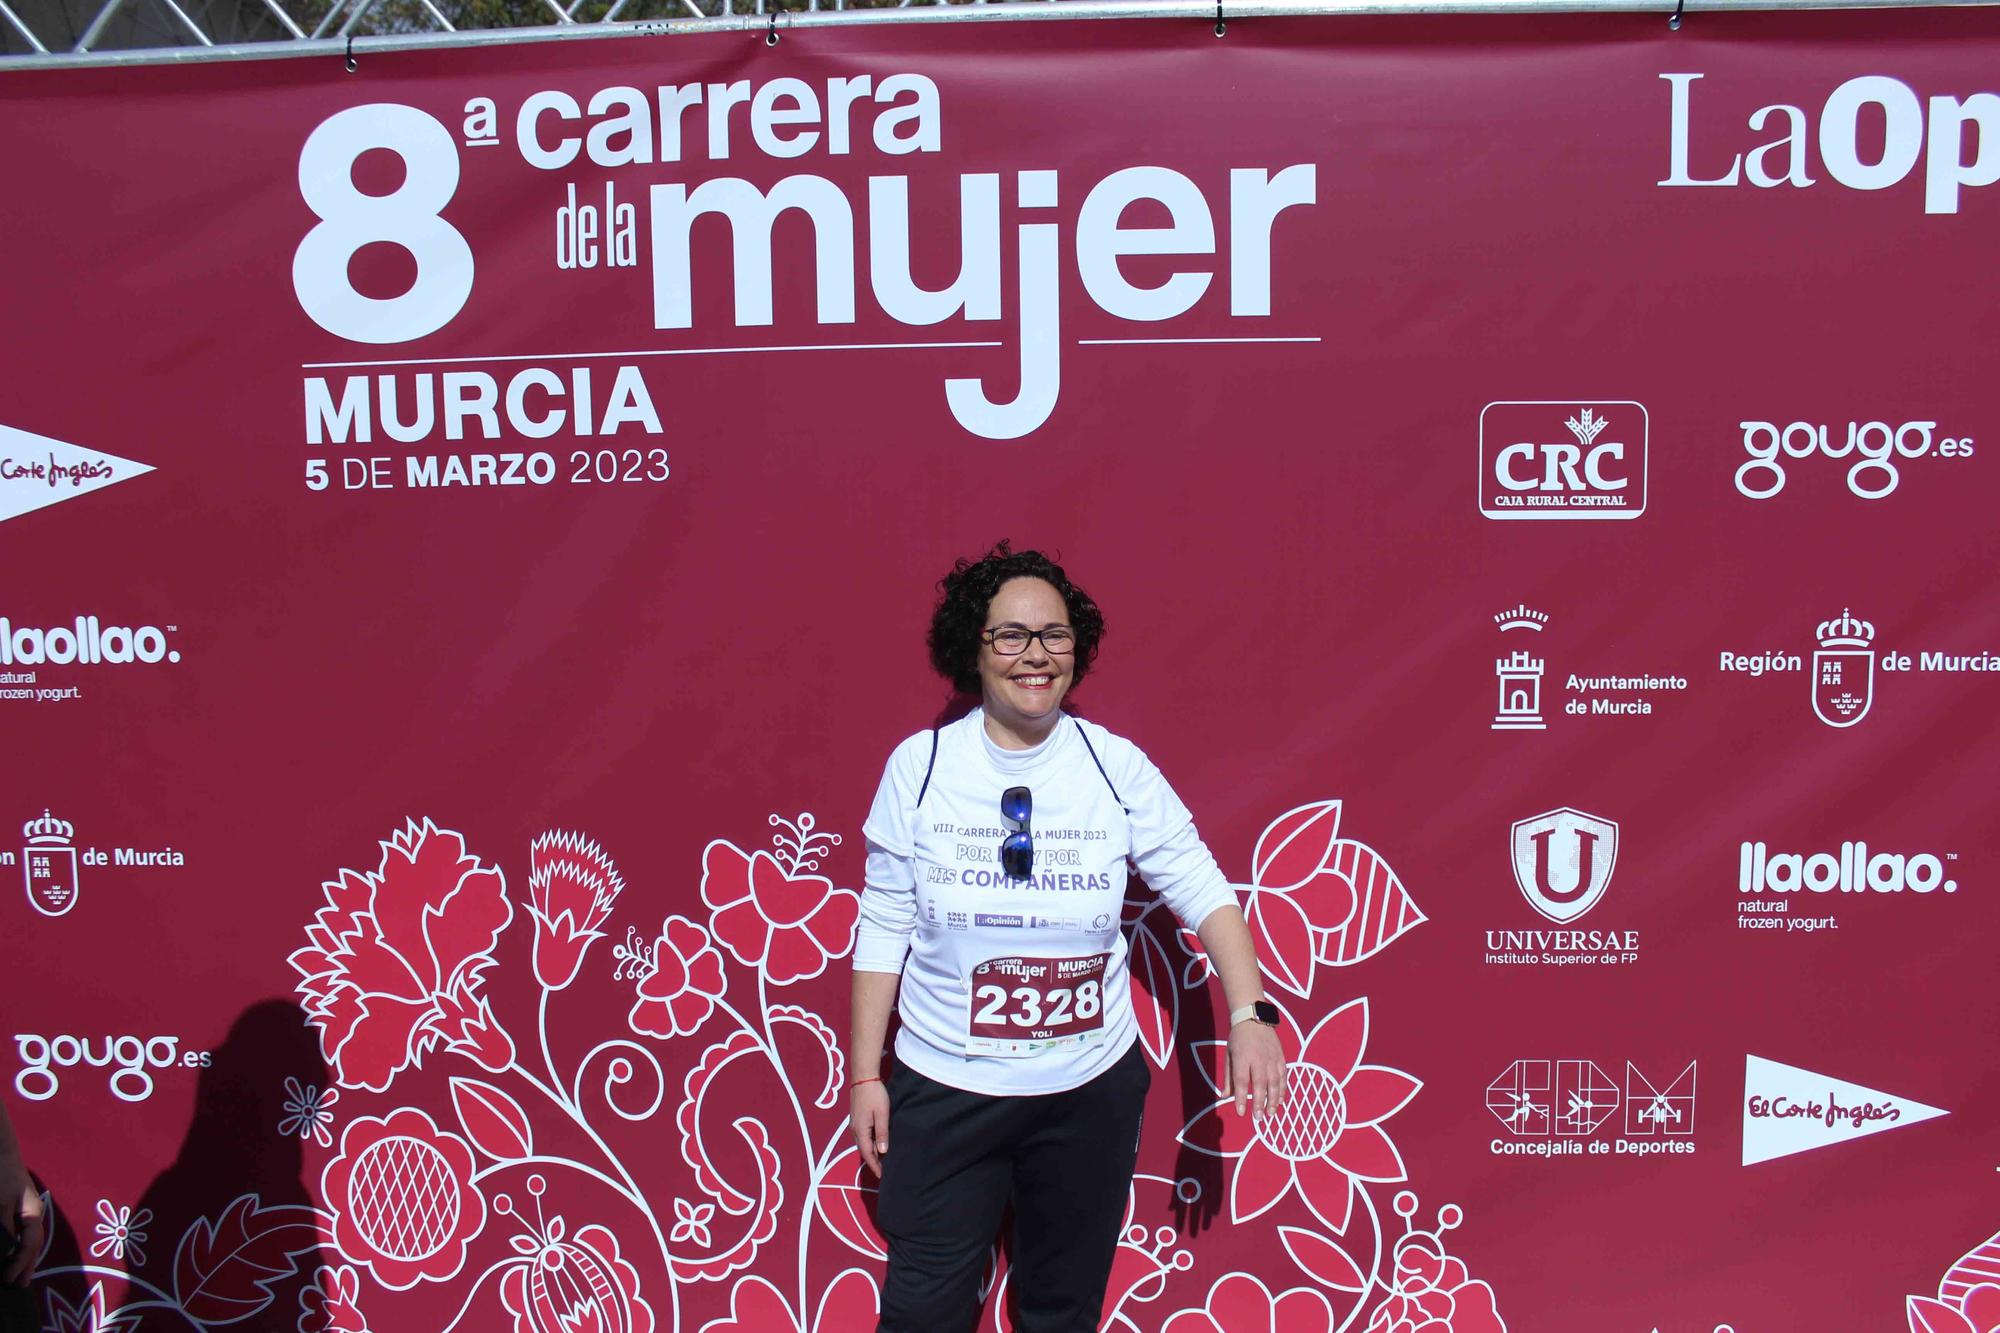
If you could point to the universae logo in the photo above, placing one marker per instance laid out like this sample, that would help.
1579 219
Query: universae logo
1563 459
1563 860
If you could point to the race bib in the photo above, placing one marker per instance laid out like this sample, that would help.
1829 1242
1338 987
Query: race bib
1023 1006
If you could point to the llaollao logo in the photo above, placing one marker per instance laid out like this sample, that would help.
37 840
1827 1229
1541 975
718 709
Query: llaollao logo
87 641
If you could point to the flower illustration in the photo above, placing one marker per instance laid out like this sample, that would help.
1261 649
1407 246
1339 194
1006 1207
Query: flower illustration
121 1233
393 961
402 1197
565 1284
571 888
87 1316
308 1112
755 1306
691 1221
1327 1137
1239 1303
1978 1311
680 979
1967 1301
1433 1292
771 912
1314 898
330 1304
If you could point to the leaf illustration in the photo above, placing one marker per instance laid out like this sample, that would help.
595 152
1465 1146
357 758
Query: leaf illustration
1383 909
1295 845
842 1201
1324 1261
1929 1316
1284 941
224 1270
493 1120
1156 996
1198 969
834 1068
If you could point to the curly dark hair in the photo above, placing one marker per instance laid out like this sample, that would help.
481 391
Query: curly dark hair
967 592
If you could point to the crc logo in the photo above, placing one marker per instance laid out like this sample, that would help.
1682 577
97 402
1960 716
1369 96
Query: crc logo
1873 445
1562 460
132 1057
1563 860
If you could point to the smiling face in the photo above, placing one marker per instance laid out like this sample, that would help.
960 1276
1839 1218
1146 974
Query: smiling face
1022 693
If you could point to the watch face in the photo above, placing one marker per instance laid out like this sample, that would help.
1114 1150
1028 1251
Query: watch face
1267 1012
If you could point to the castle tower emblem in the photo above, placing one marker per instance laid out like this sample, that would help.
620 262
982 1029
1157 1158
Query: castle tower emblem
1520 675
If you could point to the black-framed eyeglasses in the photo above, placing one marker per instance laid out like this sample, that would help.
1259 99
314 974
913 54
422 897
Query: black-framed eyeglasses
1012 641
1017 849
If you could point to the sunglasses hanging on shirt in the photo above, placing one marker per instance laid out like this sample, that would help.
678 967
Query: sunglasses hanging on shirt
1017 849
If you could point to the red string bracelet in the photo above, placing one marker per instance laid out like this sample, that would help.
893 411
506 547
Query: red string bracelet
877 1078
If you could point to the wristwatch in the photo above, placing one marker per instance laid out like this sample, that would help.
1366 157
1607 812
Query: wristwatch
1263 1011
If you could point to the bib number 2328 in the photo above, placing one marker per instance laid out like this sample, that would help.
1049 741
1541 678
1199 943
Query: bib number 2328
1022 1006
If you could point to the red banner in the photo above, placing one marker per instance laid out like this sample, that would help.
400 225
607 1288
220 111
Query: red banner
1535 474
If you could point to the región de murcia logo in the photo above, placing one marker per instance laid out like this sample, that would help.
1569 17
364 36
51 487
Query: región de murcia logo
50 861
1845 663
1843 683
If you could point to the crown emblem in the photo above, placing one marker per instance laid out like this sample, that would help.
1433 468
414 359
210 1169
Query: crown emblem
1846 632
48 831
1521 618
1587 426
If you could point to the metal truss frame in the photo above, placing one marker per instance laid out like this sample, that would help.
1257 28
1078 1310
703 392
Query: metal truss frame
172 31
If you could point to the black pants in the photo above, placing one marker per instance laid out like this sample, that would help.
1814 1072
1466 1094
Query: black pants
956 1159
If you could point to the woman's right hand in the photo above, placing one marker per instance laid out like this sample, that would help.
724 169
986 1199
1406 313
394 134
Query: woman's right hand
869 1116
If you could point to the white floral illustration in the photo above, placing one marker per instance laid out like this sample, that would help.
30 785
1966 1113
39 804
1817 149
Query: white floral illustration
121 1233
308 1112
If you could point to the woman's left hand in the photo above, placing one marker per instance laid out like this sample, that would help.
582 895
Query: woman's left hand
1256 1067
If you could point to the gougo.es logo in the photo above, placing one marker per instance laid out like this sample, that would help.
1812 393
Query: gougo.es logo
1875 446
132 1060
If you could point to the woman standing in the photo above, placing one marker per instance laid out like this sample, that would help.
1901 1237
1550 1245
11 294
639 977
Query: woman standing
997 855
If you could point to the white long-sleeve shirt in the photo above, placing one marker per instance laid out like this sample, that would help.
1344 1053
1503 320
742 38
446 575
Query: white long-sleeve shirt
1020 987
